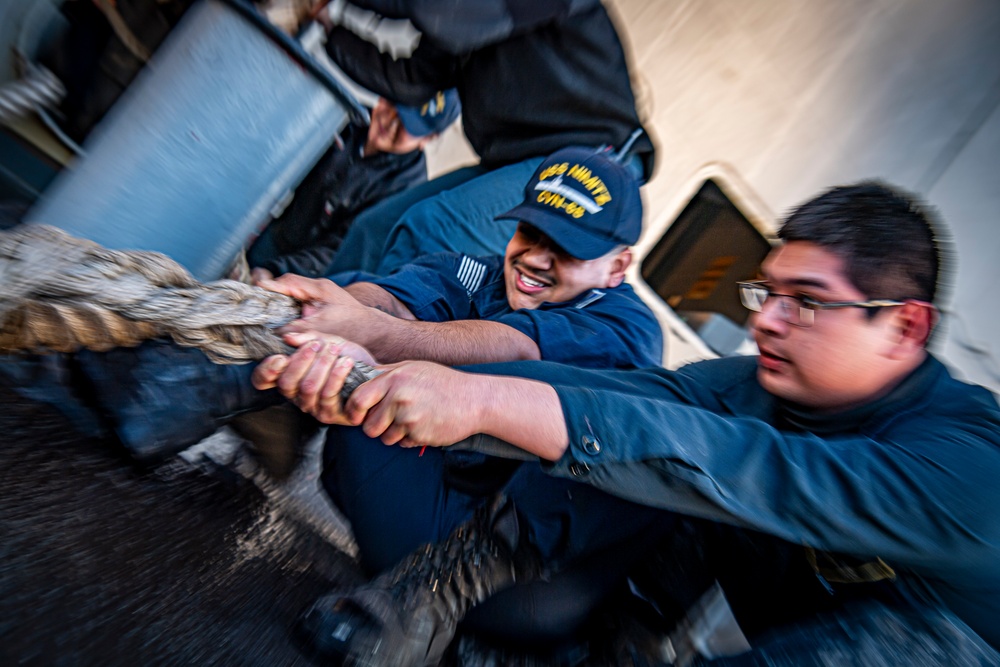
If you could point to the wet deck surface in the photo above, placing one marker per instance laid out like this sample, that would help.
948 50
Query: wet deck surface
104 564
197 562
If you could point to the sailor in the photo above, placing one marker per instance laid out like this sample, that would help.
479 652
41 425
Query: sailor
367 164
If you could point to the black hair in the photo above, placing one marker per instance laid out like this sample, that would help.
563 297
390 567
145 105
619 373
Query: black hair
887 238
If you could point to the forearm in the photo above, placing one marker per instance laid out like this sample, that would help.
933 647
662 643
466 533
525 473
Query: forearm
373 296
847 494
525 413
461 27
410 80
450 343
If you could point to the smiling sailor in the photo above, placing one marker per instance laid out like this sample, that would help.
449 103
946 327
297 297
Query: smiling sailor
558 293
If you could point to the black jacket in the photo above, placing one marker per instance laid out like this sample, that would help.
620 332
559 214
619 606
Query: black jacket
550 74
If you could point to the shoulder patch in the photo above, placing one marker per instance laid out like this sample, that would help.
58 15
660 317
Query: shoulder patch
594 295
471 273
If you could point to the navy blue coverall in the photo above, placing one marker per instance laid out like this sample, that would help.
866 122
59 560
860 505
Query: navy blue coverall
909 479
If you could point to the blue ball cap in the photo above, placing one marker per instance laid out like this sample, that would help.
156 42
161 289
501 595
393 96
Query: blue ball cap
584 201
433 116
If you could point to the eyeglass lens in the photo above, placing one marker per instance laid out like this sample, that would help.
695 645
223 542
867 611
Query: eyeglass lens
791 309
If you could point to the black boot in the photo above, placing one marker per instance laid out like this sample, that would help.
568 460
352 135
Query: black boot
161 398
408 615
278 437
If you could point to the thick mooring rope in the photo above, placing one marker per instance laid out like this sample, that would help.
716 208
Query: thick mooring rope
62 293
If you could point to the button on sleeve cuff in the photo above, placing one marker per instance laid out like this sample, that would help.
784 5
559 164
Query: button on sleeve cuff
586 449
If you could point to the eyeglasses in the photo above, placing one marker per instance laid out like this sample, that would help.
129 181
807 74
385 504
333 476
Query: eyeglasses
799 310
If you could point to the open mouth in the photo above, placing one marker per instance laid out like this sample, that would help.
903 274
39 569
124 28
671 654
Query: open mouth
530 284
529 281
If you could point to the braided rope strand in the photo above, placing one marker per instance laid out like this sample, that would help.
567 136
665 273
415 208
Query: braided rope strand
63 293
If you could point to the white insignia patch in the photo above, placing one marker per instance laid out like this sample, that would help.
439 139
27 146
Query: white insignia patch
471 273
556 186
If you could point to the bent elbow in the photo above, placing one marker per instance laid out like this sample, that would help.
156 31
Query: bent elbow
529 352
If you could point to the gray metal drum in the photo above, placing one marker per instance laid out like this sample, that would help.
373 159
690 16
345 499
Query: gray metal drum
224 121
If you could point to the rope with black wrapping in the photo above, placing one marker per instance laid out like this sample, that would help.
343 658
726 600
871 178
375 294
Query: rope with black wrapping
61 293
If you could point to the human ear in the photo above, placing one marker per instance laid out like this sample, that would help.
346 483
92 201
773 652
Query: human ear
620 262
914 323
